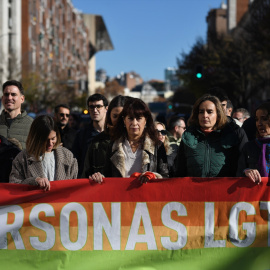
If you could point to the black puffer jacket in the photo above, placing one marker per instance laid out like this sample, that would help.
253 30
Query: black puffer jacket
8 151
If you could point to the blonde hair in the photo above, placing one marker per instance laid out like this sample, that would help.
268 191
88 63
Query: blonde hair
166 141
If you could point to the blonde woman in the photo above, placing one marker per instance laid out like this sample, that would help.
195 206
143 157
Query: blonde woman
162 134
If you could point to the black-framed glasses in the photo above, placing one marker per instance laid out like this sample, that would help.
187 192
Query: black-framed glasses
64 114
93 107
184 128
162 131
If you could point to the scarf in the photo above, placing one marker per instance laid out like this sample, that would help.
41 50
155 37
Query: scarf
264 159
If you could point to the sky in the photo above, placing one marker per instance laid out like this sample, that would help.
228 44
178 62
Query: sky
148 35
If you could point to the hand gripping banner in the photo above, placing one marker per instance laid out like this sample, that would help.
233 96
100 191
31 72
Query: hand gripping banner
178 223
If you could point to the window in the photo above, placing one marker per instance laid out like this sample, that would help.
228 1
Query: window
9 18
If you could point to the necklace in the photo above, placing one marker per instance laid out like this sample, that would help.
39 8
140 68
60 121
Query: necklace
134 145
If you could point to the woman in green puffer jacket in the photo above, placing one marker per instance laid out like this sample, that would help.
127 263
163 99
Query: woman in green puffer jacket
211 145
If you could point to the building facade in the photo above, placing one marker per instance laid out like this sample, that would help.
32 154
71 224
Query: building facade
223 20
236 10
53 41
10 39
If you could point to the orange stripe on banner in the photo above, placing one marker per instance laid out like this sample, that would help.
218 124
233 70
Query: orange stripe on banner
195 213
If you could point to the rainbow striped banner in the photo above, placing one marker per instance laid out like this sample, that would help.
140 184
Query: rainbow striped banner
178 223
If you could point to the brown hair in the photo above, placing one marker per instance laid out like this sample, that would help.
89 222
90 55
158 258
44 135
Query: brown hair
118 101
221 116
38 135
135 107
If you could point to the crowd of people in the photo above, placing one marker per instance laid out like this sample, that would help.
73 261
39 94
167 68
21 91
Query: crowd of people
123 140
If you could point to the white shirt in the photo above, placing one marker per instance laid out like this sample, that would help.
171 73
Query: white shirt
133 161
48 165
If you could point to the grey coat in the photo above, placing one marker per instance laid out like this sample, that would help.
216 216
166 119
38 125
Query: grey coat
25 169
18 129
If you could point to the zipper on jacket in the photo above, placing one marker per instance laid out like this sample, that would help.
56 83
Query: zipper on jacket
207 159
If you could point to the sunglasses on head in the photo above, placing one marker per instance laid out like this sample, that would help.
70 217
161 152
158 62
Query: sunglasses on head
64 114
163 132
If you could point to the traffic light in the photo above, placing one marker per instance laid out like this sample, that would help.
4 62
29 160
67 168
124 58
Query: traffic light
199 71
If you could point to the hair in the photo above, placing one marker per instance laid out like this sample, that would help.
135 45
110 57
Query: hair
97 97
38 135
219 93
166 141
175 121
15 83
135 107
221 116
118 101
264 107
229 104
57 108
244 111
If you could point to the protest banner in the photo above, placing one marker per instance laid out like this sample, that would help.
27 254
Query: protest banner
178 223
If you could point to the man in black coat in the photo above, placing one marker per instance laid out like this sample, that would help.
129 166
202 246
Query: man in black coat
61 115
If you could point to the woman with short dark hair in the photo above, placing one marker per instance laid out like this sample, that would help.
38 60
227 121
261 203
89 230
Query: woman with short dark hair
135 147
43 160
210 146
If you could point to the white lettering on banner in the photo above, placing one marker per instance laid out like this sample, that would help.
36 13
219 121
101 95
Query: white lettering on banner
250 227
48 228
209 228
82 226
13 228
174 225
141 213
42 235
101 221
266 206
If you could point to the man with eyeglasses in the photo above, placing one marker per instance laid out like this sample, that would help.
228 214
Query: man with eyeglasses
61 115
97 106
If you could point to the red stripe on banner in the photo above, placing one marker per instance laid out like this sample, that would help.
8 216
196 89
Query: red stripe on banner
130 190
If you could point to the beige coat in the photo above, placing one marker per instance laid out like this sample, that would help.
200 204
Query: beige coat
25 169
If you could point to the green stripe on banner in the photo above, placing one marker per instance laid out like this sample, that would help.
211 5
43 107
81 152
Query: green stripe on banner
203 259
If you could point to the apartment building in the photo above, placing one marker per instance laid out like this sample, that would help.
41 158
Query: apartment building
223 20
10 39
52 39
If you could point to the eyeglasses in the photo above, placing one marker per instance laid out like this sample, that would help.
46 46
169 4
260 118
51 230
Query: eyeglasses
64 114
93 107
184 128
163 132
